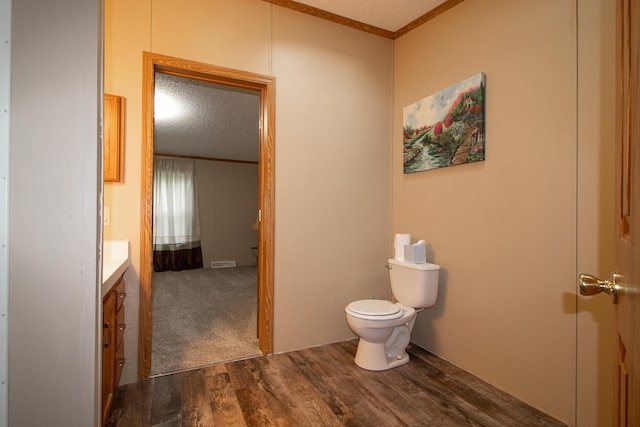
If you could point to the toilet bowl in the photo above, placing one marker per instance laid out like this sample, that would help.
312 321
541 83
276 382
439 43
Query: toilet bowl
384 327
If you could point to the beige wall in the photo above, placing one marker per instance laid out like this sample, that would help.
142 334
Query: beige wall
504 230
228 201
333 154
596 198
127 35
333 175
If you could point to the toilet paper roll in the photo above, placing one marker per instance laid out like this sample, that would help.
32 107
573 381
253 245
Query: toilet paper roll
398 244
403 238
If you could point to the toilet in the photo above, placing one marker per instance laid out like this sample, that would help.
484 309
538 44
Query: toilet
384 327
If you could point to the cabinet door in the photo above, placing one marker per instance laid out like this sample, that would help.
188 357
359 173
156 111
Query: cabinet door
108 352
113 138
119 290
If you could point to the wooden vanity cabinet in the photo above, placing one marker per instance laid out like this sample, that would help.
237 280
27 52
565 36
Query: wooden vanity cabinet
120 327
113 343
108 352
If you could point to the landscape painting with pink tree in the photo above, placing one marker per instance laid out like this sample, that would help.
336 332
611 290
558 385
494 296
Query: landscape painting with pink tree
447 128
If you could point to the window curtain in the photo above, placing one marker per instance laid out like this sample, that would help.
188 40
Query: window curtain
176 219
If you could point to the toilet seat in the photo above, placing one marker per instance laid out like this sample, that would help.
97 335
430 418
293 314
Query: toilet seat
375 309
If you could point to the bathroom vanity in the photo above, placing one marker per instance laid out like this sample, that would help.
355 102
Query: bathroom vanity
115 263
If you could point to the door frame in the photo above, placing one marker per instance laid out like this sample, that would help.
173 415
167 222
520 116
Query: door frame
627 371
153 62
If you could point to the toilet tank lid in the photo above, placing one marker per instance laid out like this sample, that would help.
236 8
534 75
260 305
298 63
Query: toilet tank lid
426 266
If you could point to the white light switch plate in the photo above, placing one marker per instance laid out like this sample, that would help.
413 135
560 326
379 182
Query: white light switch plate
106 216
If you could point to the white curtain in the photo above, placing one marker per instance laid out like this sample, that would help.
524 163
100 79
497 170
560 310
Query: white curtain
176 217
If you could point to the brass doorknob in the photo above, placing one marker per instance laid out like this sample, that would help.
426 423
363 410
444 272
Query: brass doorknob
591 285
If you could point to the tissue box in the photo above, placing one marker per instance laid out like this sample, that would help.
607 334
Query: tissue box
416 254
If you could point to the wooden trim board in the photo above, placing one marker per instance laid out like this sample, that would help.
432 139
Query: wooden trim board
266 85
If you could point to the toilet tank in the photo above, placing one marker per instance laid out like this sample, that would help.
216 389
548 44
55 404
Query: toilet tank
414 285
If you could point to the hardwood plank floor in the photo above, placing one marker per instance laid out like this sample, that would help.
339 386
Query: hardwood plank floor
321 386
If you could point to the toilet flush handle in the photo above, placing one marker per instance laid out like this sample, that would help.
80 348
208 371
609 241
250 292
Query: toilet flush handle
388 266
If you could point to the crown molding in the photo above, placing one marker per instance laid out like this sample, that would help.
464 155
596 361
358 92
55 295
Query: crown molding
323 14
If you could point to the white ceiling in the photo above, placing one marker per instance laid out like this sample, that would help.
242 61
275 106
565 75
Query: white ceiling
218 121
389 15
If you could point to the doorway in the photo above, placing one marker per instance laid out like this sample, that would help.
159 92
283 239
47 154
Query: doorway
153 63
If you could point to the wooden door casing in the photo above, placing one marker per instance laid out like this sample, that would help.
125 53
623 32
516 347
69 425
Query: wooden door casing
153 62
627 398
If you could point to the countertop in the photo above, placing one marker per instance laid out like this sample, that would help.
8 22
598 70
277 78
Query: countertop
115 261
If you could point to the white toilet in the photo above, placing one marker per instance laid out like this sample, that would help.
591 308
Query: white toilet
384 327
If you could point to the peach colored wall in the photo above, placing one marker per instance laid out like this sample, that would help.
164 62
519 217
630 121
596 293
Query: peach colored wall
503 230
596 244
127 27
333 175
333 154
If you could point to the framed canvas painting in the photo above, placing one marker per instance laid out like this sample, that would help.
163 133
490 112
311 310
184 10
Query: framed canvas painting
446 128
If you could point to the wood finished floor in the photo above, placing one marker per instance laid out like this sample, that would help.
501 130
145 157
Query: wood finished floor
321 386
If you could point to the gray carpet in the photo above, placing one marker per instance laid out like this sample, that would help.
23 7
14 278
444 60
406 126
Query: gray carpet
202 317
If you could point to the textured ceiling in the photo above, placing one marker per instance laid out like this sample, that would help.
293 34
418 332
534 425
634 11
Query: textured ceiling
203 119
386 14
